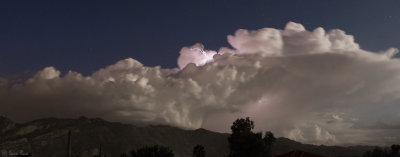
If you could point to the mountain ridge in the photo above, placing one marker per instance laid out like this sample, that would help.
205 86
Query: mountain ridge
48 137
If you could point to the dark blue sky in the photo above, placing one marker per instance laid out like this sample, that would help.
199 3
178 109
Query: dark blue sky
84 36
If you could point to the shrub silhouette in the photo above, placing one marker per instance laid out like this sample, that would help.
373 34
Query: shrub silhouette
393 151
153 151
243 142
199 151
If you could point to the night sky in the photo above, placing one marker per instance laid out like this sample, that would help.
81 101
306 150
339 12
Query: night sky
84 36
315 71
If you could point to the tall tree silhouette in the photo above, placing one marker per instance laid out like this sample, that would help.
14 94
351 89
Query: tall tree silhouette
199 151
269 139
243 142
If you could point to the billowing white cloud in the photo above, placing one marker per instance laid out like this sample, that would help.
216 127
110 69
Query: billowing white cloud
313 86
195 54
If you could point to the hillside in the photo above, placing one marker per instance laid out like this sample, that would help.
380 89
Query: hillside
48 137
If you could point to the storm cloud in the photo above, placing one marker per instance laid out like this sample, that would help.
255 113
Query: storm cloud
314 86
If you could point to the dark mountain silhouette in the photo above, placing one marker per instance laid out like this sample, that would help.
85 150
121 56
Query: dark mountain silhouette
48 137
284 145
297 153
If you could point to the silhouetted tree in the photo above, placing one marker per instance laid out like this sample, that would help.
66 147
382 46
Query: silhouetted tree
153 151
269 139
395 150
243 142
199 151
242 126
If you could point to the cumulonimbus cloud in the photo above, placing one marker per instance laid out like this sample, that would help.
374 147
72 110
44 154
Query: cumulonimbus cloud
313 86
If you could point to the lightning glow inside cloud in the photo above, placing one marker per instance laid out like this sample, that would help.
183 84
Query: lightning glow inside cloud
315 86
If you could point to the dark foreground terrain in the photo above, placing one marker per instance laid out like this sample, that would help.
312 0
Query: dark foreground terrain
48 137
